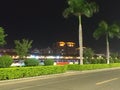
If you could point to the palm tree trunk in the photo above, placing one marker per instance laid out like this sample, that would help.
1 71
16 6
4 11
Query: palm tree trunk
108 50
80 42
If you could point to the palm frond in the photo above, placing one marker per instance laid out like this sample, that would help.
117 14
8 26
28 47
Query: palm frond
90 9
98 33
114 31
101 30
67 12
80 7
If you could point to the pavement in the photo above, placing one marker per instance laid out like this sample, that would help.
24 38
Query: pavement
68 73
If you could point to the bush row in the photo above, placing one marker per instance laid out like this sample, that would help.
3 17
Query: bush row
6 61
92 66
21 72
35 62
101 60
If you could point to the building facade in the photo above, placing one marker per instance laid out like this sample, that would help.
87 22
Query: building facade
64 48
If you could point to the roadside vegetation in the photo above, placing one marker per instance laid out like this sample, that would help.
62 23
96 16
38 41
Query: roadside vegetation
92 66
31 62
31 71
32 66
22 72
5 61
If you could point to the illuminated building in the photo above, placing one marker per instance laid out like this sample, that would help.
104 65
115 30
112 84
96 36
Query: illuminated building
61 44
70 44
64 48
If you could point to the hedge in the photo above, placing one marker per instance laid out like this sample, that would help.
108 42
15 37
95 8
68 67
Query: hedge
31 62
48 62
21 72
92 66
5 61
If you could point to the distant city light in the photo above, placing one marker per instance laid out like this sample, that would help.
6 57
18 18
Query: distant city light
61 44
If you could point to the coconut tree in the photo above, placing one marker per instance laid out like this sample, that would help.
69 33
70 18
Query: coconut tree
79 8
109 31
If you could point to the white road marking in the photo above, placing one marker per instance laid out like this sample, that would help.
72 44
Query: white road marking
106 81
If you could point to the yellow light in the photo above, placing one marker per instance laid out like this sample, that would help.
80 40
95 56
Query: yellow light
70 44
61 44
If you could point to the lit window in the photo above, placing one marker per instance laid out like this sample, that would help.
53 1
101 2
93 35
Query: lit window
61 44
70 44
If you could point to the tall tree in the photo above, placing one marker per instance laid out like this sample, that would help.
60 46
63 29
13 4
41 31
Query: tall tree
79 8
109 31
2 37
22 47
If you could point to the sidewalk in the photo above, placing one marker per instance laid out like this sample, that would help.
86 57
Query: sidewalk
68 73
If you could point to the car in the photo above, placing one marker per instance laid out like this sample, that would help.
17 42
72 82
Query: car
18 63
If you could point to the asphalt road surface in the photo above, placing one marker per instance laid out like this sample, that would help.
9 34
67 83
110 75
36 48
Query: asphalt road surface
97 80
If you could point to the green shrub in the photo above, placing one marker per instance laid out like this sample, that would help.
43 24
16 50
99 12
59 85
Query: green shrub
5 61
86 61
94 61
114 60
31 62
21 72
98 61
92 66
48 62
103 61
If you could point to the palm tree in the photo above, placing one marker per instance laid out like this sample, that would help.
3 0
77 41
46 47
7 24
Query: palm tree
109 31
79 8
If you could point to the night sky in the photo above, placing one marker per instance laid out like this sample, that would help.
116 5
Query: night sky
44 23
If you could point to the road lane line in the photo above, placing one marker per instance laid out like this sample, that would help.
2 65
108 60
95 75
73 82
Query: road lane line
106 81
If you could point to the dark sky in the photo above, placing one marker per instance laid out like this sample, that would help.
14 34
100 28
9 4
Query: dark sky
42 22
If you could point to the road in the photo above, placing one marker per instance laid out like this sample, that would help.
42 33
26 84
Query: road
99 80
